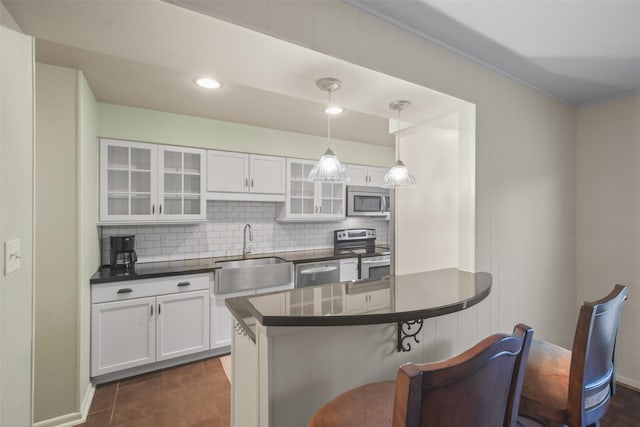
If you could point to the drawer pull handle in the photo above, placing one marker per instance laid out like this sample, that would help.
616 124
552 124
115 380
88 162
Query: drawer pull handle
125 291
151 309
181 284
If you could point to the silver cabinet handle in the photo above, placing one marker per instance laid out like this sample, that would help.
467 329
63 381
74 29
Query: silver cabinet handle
251 182
160 209
153 209
151 306
246 182
318 270
182 284
125 291
159 308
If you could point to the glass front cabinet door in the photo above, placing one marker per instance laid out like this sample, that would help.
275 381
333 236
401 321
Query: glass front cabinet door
142 182
307 200
127 181
181 183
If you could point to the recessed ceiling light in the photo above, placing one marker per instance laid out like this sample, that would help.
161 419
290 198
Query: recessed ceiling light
208 83
333 110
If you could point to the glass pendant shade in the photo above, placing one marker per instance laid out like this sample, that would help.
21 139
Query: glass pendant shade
329 169
399 177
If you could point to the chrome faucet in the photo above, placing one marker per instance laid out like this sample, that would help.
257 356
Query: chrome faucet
246 251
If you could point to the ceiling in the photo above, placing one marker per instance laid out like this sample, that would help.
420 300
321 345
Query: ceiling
578 51
138 53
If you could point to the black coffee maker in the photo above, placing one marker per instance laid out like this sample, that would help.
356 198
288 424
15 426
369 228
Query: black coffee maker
123 254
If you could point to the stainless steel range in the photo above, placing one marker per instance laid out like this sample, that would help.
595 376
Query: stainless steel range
375 261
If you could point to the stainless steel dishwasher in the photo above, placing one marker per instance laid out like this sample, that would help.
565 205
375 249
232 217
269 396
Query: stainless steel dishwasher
317 273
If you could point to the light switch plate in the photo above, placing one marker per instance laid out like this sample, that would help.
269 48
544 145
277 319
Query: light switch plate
12 256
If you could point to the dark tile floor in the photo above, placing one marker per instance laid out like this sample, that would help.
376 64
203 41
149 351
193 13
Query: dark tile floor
198 395
194 395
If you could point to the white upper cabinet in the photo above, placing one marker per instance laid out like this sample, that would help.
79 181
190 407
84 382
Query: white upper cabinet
181 183
267 174
241 176
368 176
309 201
128 174
141 182
376 176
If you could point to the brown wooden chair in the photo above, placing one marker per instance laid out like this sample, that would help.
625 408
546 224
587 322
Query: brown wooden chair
480 387
573 388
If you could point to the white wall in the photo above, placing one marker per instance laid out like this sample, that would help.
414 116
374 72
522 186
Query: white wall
427 216
609 215
16 222
525 161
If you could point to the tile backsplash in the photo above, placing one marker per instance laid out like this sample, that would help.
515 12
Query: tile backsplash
222 234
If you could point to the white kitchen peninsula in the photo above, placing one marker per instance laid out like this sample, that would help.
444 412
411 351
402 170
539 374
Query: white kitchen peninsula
289 361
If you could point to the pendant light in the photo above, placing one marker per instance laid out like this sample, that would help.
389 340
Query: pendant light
328 168
399 176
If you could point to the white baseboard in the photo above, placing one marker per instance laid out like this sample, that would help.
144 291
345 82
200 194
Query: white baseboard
74 418
628 381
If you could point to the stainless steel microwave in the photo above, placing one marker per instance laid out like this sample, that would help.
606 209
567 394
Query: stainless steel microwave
367 201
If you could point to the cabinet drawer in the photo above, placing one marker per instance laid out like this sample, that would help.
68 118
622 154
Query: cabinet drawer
119 291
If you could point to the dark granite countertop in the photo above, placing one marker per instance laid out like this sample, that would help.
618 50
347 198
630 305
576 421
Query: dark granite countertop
398 298
204 265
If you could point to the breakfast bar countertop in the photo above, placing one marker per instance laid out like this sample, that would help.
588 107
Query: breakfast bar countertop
389 300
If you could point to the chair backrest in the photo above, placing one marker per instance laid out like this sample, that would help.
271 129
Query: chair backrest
592 375
478 388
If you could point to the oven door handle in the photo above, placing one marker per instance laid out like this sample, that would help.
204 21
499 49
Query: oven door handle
318 270
376 262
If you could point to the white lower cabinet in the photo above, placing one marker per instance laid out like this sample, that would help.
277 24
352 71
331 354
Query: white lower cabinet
139 322
182 324
123 335
368 302
221 321
348 269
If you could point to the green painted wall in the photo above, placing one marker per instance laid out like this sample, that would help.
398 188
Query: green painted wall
138 124
16 222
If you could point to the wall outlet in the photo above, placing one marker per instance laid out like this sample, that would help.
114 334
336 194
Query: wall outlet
12 256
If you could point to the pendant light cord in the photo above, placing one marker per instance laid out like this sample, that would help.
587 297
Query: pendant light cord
398 137
329 121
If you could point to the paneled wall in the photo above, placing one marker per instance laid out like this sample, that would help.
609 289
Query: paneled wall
609 215
525 161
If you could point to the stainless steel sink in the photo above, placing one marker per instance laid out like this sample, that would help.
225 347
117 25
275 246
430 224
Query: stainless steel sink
248 274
